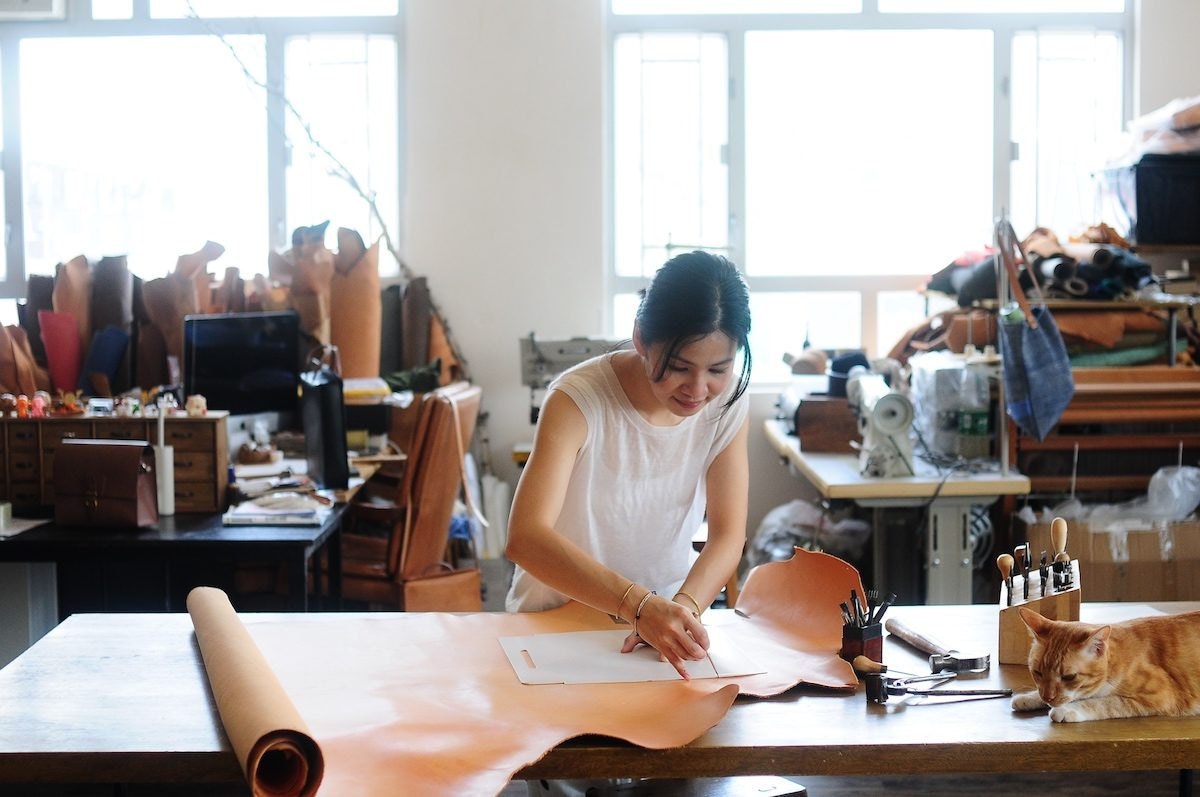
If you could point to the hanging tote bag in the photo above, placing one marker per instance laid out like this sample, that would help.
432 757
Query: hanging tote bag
1038 384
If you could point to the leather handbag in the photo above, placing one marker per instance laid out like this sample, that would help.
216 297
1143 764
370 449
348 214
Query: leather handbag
105 484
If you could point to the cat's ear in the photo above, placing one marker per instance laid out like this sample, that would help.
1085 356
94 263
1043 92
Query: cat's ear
1098 642
1034 621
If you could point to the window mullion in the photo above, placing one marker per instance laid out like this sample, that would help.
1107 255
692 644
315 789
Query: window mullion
278 151
1002 133
736 148
13 285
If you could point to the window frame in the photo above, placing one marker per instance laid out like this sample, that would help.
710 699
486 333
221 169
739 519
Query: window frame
274 30
735 27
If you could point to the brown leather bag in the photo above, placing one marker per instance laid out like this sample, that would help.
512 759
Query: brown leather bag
105 484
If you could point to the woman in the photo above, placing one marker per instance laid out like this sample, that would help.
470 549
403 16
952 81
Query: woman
633 450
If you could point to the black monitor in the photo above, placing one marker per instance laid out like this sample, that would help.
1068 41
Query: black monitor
245 363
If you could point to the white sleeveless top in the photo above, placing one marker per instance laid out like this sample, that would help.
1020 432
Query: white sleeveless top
637 493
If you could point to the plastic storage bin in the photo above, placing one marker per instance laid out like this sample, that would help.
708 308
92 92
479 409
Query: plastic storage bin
1156 200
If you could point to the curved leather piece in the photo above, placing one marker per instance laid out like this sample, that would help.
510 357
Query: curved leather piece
112 306
168 299
311 285
73 295
18 371
356 307
112 294
103 361
793 623
151 358
193 268
416 316
64 357
39 296
428 703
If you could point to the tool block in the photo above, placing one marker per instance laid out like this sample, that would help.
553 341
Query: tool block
1063 604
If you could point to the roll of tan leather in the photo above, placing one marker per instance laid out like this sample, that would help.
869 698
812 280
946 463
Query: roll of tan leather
273 745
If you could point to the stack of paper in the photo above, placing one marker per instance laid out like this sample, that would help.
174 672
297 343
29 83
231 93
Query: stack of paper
278 509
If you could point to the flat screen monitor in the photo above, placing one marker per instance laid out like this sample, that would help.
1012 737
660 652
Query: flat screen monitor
245 363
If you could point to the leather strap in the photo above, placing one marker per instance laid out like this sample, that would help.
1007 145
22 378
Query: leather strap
462 465
1006 243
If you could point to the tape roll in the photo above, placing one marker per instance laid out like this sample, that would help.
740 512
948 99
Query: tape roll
1075 286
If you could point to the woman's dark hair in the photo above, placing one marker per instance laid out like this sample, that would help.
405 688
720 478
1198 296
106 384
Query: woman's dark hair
691 297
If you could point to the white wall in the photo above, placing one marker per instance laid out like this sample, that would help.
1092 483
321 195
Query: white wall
1167 58
505 181
506 187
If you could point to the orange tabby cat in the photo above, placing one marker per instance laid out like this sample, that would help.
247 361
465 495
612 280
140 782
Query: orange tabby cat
1138 668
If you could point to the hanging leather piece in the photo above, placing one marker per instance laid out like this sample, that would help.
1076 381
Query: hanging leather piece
312 272
112 306
39 296
355 305
73 296
416 316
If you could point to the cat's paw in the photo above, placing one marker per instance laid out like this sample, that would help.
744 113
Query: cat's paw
1027 701
1069 713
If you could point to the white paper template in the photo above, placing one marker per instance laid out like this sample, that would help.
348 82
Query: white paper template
595 657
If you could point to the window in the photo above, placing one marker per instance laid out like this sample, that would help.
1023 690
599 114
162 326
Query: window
147 134
841 160
110 172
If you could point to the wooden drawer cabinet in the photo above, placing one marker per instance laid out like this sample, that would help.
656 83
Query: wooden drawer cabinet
201 446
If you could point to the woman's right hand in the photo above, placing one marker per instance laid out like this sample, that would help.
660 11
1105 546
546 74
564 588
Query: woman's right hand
671 629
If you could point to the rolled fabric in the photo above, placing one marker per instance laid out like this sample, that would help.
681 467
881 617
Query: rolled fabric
272 742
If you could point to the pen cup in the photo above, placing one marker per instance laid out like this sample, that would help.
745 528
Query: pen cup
864 640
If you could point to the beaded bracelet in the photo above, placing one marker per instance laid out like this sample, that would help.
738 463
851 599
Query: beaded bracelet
638 614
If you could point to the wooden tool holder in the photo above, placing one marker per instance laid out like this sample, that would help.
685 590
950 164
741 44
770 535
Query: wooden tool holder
1015 637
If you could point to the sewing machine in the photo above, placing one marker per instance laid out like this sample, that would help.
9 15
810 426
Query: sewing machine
543 360
884 420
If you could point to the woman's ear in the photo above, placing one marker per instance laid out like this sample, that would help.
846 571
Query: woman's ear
638 344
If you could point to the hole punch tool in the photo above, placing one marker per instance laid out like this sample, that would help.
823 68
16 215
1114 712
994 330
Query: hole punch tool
880 686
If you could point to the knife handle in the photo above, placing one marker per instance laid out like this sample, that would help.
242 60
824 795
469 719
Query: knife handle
914 638
1058 535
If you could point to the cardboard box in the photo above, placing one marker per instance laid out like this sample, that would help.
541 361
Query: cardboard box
1158 562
